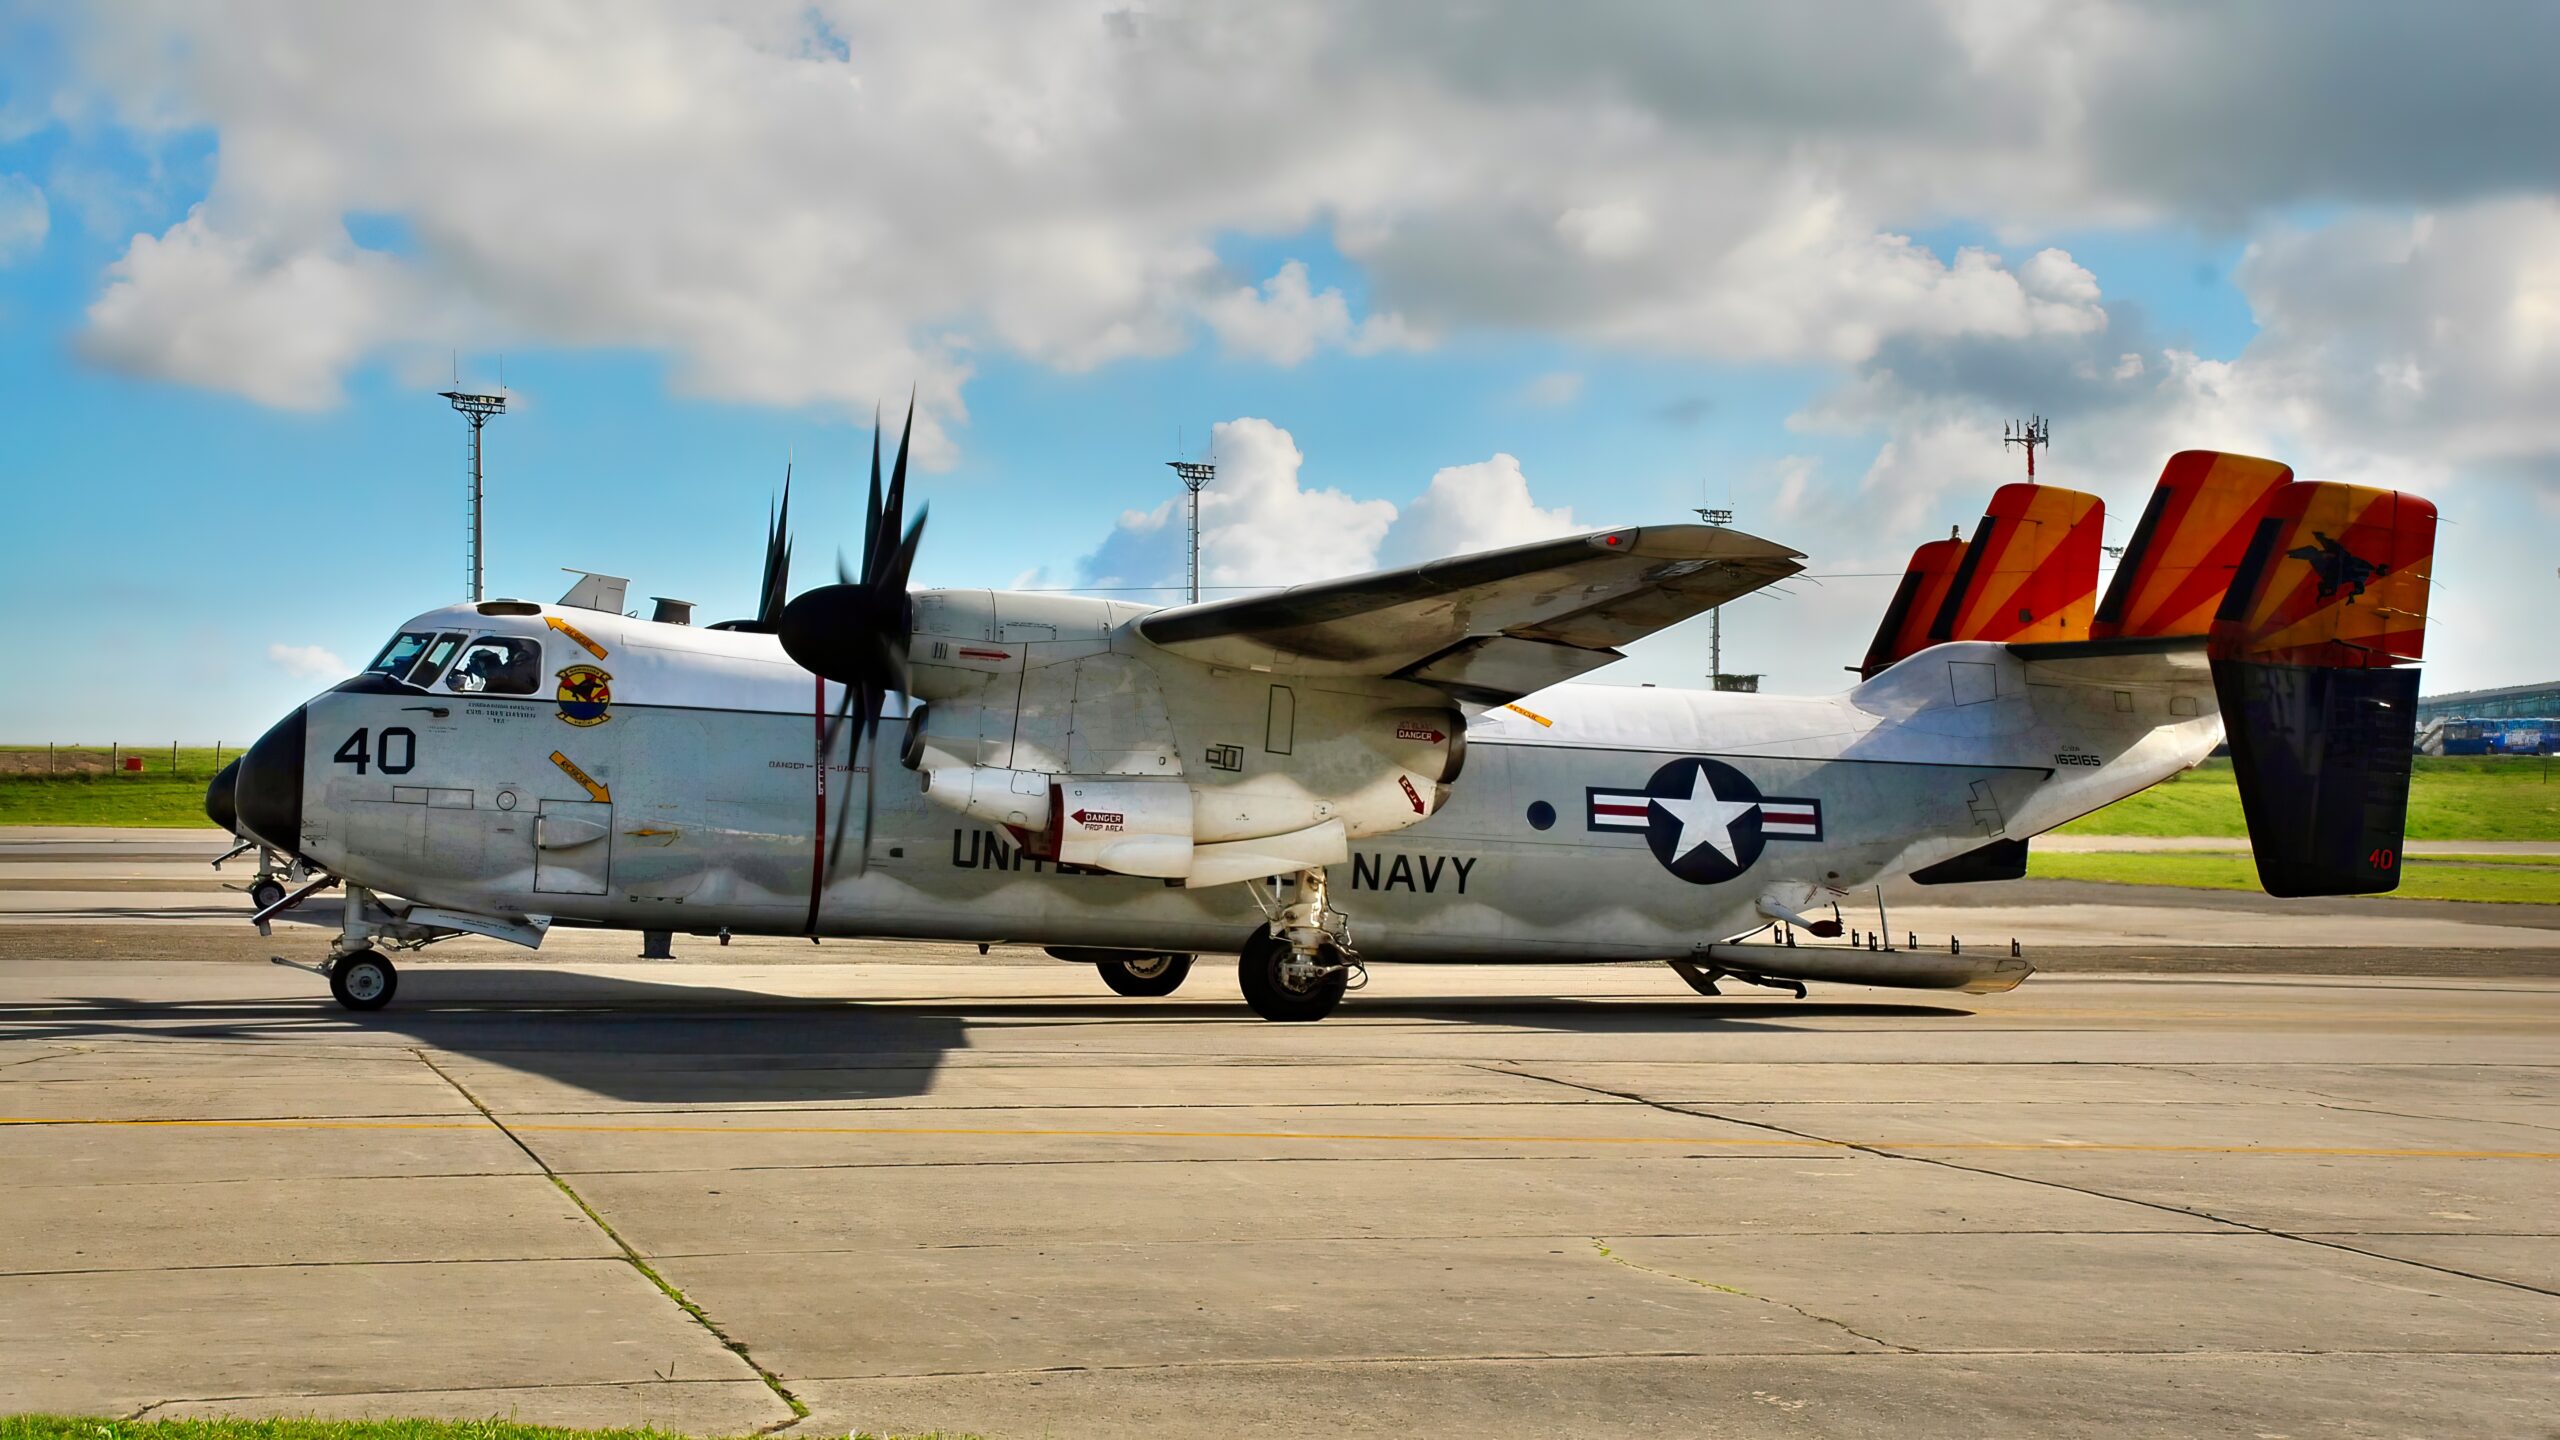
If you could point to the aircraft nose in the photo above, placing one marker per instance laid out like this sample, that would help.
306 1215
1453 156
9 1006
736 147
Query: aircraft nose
222 798
266 795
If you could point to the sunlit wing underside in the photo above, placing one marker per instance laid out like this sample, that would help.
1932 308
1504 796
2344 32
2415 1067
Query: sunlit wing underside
1487 627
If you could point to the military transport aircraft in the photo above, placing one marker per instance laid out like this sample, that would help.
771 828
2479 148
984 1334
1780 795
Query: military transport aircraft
1391 767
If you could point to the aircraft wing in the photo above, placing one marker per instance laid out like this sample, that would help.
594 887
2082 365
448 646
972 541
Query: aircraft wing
1488 627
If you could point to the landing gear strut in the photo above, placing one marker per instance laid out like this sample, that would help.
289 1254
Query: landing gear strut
1298 966
1151 975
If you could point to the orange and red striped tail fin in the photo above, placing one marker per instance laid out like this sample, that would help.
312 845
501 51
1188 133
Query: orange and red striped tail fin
1905 628
2031 573
2334 576
2312 650
2182 557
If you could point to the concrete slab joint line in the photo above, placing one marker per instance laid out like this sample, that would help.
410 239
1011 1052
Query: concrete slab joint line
799 1409
1882 1152
1614 1258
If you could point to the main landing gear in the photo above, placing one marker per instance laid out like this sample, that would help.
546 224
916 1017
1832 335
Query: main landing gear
1299 966
1146 975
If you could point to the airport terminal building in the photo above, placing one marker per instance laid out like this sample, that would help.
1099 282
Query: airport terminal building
2514 720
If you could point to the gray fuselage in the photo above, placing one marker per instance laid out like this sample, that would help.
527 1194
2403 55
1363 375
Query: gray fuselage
1591 822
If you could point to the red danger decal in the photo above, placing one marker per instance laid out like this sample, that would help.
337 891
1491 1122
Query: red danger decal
1410 793
1423 733
1098 819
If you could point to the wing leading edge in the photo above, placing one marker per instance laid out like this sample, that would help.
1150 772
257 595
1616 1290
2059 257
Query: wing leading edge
1487 627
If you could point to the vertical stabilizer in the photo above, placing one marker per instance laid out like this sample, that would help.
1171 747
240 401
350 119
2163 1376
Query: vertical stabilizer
2031 573
1905 628
2313 650
2183 555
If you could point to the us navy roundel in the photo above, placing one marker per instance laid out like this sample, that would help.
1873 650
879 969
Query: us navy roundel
1704 820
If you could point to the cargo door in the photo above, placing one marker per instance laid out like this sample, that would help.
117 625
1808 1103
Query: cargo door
572 847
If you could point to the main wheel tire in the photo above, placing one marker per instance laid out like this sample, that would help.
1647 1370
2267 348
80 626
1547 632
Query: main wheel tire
265 893
1700 980
1155 975
364 980
1262 972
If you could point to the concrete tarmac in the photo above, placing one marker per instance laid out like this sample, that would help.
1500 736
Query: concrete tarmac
813 1189
978 1196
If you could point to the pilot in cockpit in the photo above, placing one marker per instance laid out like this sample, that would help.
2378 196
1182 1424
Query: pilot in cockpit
496 667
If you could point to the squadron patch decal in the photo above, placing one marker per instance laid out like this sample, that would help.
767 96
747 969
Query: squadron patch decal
586 695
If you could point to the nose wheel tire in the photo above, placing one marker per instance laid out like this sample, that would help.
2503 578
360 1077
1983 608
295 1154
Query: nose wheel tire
1155 975
364 980
1280 986
265 893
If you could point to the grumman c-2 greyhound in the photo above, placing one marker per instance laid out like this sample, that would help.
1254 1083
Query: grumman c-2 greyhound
1389 767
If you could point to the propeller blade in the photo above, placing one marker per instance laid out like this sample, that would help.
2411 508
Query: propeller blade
886 523
853 695
777 559
871 517
871 741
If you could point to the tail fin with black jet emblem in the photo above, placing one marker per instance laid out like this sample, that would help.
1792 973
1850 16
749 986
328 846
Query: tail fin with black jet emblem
2314 653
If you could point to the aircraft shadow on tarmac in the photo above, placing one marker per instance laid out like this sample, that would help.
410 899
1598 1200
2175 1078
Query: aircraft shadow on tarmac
648 1042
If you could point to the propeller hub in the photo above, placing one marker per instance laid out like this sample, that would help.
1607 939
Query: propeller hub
851 634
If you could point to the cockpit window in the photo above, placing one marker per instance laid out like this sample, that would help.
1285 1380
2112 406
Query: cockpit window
497 665
400 654
432 663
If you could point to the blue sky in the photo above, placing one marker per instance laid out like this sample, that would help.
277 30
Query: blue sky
1829 353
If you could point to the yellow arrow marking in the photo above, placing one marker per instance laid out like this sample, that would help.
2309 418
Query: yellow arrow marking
574 633
1534 715
570 768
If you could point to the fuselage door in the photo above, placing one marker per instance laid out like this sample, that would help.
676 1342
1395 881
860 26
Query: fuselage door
573 847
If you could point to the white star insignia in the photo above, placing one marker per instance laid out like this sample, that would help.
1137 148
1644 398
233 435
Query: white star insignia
1705 819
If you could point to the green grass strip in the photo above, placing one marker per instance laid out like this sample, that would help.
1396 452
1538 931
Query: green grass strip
2450 798
2495 884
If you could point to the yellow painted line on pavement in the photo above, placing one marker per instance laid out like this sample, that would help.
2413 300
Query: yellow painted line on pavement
1774 1142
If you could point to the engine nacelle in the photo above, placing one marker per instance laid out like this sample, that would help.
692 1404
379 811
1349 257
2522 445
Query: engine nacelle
1051 716
1153 827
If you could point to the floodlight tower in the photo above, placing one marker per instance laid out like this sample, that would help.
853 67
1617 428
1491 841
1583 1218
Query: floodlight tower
2031 432
477 409
1196 476
1715 618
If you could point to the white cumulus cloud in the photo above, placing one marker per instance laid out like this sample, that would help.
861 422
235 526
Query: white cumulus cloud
1262 525
1285 322
1483 506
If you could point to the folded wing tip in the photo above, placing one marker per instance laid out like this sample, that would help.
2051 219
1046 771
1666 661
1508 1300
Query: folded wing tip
1691 542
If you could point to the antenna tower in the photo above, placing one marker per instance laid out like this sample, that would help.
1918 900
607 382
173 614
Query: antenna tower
477 409
1196 476
1719 518
2031 433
